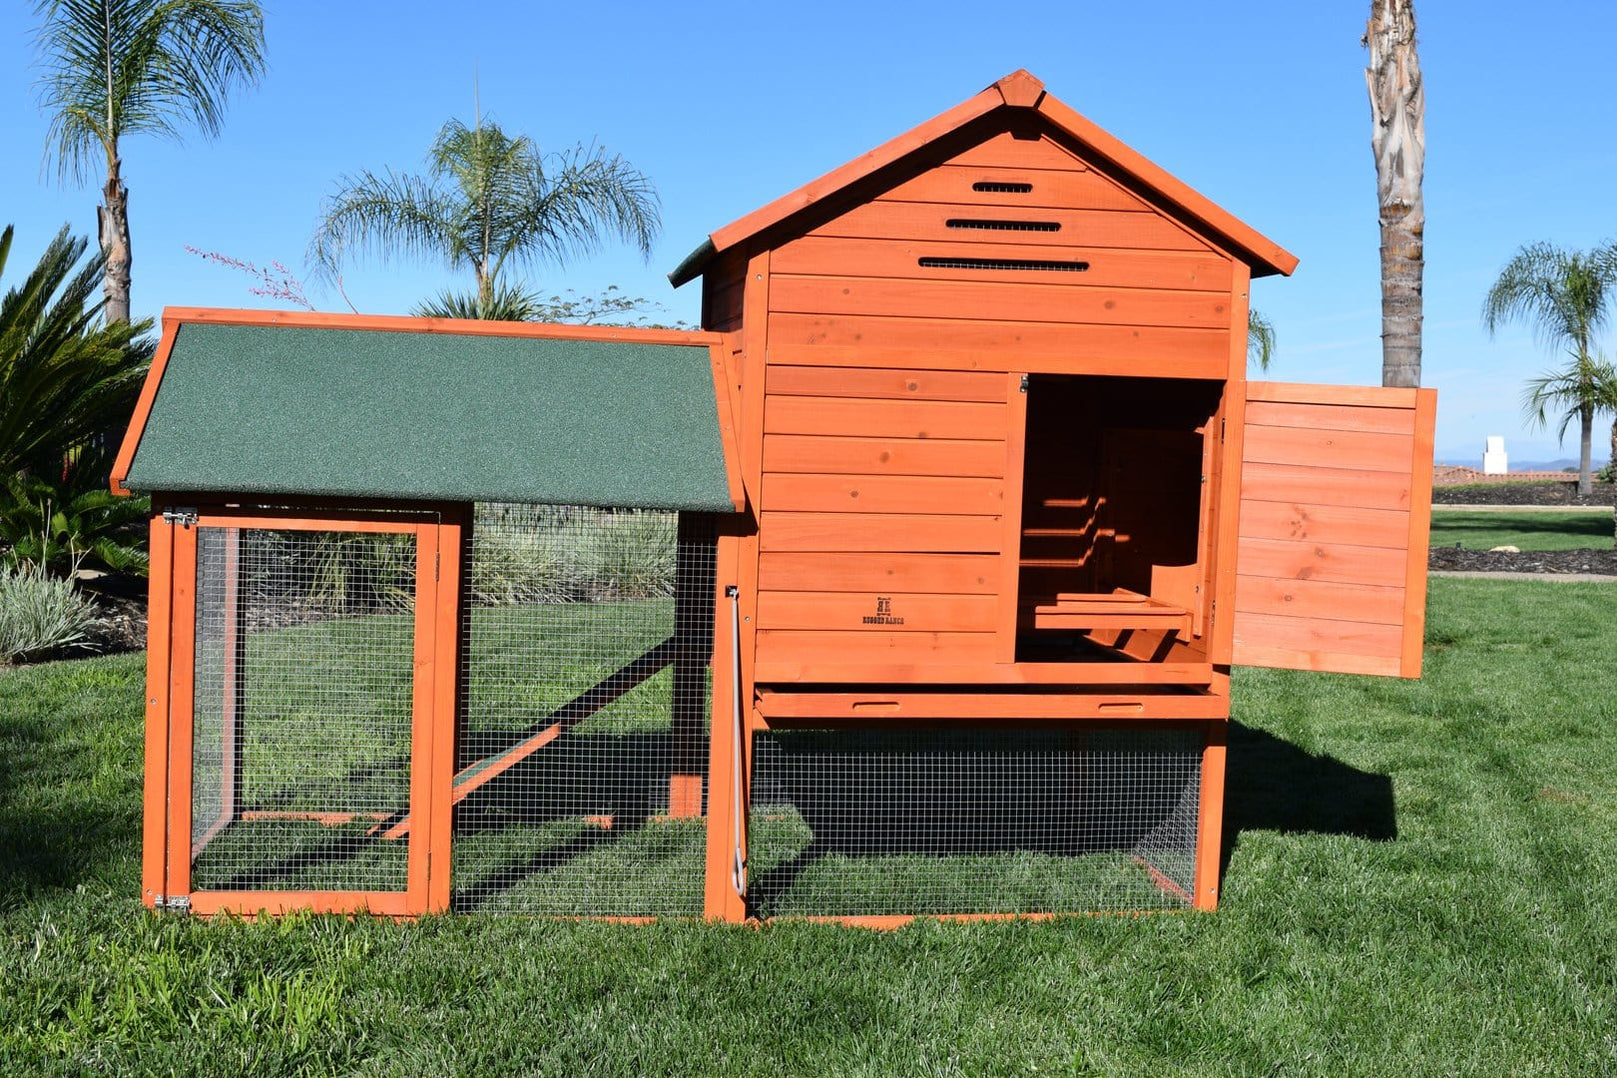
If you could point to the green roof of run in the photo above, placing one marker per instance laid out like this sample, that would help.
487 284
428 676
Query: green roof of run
390 414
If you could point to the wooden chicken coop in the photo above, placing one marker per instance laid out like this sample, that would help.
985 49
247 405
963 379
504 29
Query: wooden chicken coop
967 510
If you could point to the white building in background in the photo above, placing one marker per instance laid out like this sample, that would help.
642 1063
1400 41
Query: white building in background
1493 456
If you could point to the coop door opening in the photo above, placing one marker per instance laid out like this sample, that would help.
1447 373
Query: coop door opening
296 744
583 744
1115 519
1069 819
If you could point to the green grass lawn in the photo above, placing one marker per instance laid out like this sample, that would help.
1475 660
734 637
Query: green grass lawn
1482 529
1420 880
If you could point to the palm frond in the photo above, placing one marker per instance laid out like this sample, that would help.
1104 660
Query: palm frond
386 215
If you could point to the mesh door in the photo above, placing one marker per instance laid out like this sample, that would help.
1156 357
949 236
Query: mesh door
861 822
302 709
579 765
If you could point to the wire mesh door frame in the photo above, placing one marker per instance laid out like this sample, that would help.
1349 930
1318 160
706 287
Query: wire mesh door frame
171 719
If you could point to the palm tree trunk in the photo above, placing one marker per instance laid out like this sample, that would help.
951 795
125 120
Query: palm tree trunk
1398 140
1586 417
113 219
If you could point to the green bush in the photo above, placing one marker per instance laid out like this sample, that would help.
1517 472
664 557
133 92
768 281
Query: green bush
569 554
60 526
40 614
630 556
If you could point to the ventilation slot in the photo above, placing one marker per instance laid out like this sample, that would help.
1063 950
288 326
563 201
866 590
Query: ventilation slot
995 187
1003 226
1012 264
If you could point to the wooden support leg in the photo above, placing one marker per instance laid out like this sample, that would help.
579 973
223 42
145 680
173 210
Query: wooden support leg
720 900
1210 824
693 652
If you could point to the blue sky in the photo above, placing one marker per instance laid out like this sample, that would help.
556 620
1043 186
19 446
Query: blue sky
1261 106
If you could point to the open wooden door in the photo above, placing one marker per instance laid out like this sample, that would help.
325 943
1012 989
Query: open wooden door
1336 500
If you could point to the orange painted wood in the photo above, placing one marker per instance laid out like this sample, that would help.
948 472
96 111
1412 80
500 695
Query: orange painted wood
1319 640
958 574
729 434
1340 563
1325 524
1332 395
1075 228
719 900
1326 486
155 788
453 546
1003 300
754 360
1329 448
182 707
1420 530
854 612
1323 658
799 492
859 418
1033 347
684 796
1010 553
423 719
1109 267
1120 610
885 383
1230 422
305 520
1057 188
1267 413
883 456
914 533
785 647
386 903
877 704
143 407
857 670
1005 150
1210 818
1323 599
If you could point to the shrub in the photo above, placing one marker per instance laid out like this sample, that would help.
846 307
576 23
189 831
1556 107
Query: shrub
59 526
631 556
40 614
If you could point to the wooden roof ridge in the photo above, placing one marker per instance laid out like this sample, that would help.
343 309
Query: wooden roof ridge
1023 91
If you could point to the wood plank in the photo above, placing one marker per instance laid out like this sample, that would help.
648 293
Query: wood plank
1004 149
958 574
883 671
1323 599
887 383
1051 188
1324 659
869 612
813 493
1420 533
877 705
1074 228
776 646
1000 301
913 532
1108 266
1210 818
858 417
1329 448
1284 559
990 345
883 456
1322 642
1325 486
1325 524
1309 393
1328 417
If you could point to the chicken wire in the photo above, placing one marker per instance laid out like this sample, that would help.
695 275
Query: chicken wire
583 741
301 711
857 822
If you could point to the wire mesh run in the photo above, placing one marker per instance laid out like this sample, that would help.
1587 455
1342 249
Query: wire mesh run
862 822
304 669
580 762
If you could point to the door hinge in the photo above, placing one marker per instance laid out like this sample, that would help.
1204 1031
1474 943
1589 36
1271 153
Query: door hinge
185 518
1024 383
174 904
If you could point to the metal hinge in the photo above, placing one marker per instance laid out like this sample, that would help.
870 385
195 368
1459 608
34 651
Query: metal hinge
1024 383
175 904
185 518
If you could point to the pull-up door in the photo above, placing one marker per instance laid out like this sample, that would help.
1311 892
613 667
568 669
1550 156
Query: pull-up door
1336 507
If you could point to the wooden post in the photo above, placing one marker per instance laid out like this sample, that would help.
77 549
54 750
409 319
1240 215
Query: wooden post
154 829
1210 819
719 898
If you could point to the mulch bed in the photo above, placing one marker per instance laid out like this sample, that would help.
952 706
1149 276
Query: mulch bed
1553 562
1547 494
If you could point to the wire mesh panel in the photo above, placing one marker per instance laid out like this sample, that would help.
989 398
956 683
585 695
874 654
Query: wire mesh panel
857 822
301 710
580 763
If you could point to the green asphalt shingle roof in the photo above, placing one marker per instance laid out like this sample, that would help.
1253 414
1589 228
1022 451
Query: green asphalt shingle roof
410 415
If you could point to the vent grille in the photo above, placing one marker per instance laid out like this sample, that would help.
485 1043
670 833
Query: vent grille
999 187
1012 264
979 224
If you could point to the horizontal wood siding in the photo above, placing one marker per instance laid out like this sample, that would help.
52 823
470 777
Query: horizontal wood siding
1324 562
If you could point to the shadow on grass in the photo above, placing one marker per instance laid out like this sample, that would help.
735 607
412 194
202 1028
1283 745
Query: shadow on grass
1272 785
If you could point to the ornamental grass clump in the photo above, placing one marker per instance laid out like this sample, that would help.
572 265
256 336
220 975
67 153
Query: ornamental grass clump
40 614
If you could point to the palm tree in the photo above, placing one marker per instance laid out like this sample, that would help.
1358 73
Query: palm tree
1260 340
63 378
1398 139
123 66
489 200
1566 296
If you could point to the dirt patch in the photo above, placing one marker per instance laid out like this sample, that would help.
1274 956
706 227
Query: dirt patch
1557 562
1547 494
